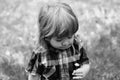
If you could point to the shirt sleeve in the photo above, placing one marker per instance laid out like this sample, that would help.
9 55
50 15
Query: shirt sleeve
31 62
34 65
83 58
81 50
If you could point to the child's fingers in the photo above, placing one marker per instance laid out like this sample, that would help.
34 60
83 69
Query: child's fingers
78 77
77 73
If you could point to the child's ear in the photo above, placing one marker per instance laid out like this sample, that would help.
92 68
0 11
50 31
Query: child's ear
78 41
81 41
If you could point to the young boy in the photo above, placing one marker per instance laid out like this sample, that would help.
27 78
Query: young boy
59 55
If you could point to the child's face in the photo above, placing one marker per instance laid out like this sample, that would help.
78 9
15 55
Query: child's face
62 43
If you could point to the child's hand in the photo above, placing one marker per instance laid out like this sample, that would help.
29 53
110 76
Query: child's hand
81 72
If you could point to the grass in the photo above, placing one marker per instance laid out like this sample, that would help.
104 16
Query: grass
98 27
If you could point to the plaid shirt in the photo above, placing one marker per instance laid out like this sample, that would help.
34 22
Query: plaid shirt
55 64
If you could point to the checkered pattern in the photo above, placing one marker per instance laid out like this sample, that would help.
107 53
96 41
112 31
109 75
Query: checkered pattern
43 61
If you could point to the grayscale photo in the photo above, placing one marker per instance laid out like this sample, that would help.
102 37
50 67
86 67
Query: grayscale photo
59 40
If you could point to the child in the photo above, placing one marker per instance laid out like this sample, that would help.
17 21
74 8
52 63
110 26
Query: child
59 55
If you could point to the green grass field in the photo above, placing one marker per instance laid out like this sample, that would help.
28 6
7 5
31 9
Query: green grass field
99 29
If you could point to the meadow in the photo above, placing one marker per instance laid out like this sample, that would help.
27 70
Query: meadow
99 30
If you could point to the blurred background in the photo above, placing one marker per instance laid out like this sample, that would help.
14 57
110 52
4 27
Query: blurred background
99 29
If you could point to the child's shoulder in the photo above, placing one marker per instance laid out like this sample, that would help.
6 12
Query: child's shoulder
39 49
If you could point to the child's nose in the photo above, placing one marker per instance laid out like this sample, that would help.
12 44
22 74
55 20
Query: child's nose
66 43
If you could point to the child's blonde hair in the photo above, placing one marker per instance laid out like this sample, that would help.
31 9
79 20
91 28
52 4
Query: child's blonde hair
57 20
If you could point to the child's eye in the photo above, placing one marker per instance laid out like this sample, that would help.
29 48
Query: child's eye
60 39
